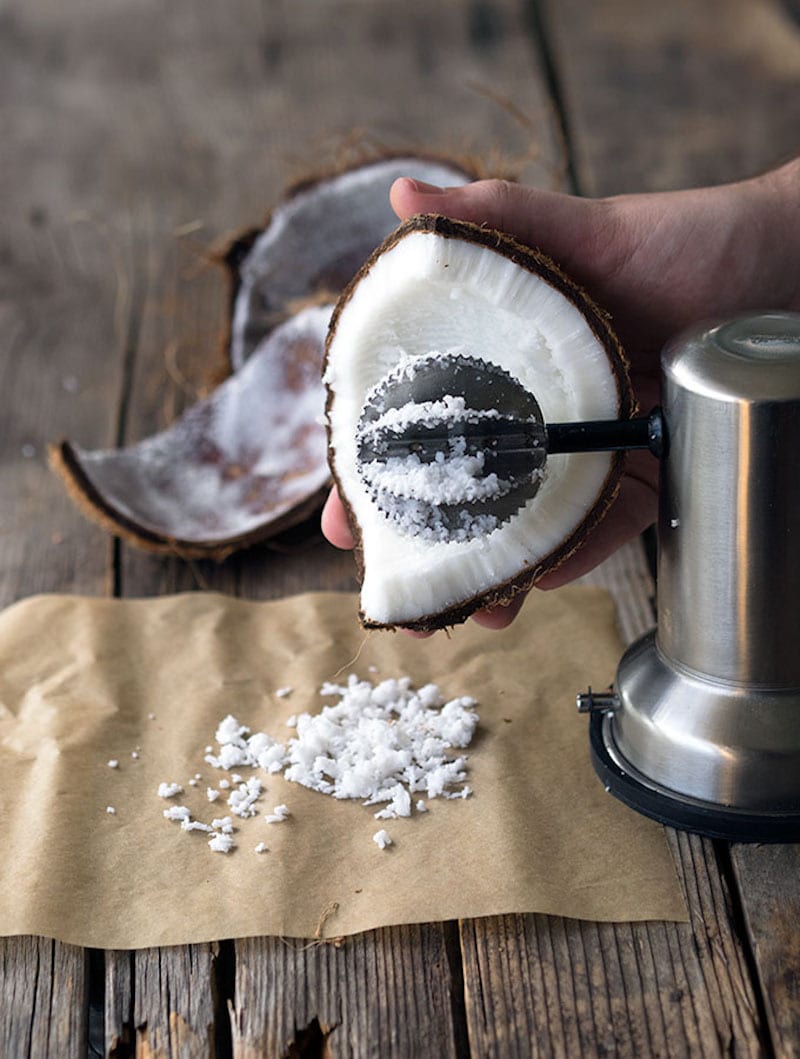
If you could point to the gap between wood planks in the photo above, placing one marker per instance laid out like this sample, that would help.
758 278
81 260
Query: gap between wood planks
722 851
125 1043
133 301
540 38
312 1041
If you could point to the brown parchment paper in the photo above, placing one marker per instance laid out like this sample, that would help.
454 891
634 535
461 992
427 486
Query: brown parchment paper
80 679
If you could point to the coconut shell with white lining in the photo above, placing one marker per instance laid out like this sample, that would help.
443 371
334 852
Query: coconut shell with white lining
449 286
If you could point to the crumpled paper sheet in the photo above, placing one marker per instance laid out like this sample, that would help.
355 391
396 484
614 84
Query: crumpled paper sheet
80 679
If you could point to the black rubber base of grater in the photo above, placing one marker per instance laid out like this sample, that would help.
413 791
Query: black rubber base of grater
675 810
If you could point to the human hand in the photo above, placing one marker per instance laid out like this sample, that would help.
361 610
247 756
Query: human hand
658 263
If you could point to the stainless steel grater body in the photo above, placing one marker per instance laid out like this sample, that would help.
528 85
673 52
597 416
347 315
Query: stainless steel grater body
706 733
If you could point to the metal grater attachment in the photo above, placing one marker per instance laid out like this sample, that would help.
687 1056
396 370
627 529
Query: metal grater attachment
467 419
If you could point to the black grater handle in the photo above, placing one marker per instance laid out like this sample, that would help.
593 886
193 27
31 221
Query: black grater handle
644 432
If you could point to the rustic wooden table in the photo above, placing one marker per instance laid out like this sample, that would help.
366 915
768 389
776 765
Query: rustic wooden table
134 134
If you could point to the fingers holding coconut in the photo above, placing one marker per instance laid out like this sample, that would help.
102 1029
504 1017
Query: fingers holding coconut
501 615
334 522
654 260
575 231
633 511
598 241
337 531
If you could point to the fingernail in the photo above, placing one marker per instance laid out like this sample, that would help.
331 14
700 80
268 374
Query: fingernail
426 189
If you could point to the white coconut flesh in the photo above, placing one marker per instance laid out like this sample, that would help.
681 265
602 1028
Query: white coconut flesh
235 466
318 239
427 293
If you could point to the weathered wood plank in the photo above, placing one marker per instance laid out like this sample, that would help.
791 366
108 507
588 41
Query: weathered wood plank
539 985
382 994
174 1006
65 317
43 998
118 1019
663 96
768 877
64 308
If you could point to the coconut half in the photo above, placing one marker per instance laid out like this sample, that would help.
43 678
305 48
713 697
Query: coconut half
241 466
451 288
316 240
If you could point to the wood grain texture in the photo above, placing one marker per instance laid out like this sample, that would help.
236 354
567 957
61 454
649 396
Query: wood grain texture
662 96
769 881
64 310
64 319
545 986
43 998
386 993
118 1032
174 1007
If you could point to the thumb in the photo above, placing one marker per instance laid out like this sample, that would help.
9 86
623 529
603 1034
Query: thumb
574 231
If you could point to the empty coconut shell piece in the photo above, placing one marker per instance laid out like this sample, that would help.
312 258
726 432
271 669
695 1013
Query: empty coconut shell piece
250 461
448 288
239 467
316 240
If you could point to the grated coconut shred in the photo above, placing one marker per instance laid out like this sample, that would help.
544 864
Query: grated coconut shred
382 839
380 744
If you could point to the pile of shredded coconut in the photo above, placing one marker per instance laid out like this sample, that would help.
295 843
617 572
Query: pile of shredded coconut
379 743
